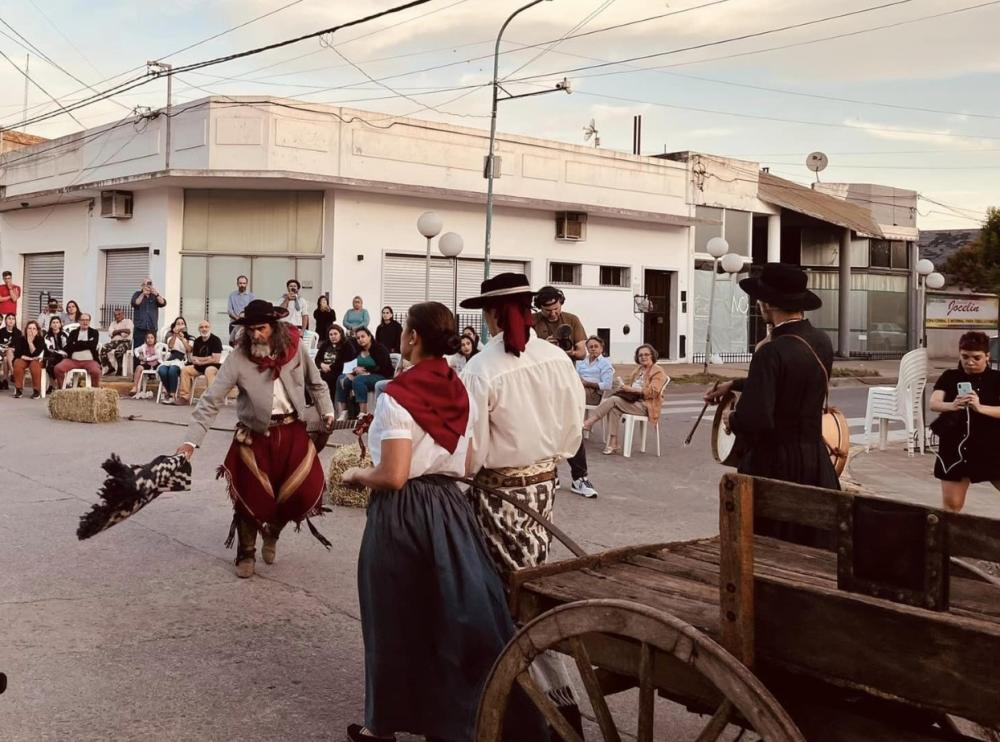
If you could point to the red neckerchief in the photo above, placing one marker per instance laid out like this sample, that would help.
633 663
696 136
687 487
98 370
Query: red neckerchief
436 398
276 363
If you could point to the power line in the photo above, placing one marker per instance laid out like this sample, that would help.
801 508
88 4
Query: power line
33 82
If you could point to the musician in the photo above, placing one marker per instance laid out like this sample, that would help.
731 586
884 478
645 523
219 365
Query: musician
531 413
566 331
779 415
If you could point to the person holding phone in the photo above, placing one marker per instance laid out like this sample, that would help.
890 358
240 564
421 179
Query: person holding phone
968 398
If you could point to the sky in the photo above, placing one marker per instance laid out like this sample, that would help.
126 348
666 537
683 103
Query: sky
897 92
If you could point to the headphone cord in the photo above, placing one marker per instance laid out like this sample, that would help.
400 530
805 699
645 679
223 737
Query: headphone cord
961 456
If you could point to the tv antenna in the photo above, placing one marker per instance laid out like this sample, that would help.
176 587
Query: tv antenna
817 162
591 131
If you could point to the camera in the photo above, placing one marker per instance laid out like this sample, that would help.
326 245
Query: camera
564 337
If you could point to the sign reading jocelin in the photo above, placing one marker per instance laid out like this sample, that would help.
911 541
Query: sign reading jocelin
962 311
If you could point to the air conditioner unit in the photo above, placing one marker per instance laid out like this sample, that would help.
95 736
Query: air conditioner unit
571 225
116 204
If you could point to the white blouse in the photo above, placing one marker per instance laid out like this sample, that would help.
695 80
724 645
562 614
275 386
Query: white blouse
392 421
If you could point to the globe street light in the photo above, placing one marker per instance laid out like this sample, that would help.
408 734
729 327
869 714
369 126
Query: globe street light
927 278
716 247
429 225
450 245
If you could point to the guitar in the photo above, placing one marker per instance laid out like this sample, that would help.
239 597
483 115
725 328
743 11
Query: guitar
360 427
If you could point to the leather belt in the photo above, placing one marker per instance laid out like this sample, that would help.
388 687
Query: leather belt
492 478
277 420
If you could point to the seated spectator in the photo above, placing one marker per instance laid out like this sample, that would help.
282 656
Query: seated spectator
389 331
118 344
470 331
466 349
324 316
51 310
639 396
147 359
356 317
400 368
29 354
206 358
55 346
374 365
596 371
334 351
8 339
81 347
72 314
178 347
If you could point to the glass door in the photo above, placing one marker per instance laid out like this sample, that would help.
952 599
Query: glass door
223 271
194 287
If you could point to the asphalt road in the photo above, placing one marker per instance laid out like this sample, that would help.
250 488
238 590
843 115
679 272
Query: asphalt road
145 633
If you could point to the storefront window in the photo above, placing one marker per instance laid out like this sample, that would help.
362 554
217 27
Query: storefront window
878 307
729 320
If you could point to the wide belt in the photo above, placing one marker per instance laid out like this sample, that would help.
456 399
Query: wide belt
491 478
277 420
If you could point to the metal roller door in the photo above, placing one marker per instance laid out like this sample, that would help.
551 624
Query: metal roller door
43 279
123 274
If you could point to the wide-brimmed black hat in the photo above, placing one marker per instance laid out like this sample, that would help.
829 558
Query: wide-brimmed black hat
259 311
501 285
784 286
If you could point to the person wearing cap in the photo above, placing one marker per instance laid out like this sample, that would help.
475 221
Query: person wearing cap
565 331
531 405
780 411
272 468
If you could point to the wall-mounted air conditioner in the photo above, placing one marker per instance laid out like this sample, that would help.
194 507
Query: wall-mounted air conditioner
116 204
571 225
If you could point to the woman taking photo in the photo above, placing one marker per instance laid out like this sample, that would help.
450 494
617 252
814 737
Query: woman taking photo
968 398
466 349
178 349
29 351
639 396
333 352
324 316
374 365
389 331
433 612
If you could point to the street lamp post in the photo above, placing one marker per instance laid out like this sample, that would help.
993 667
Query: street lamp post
927 278
429 225
491 158
716 247
451 245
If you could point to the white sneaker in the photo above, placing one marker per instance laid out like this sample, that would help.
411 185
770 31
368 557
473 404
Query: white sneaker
342 416
583 487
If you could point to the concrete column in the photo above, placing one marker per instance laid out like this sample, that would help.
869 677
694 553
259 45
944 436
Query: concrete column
844 297
774 238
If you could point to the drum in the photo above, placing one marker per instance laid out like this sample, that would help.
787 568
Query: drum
837 437
724 447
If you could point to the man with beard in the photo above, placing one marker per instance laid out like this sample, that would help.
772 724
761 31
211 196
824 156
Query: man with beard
272 468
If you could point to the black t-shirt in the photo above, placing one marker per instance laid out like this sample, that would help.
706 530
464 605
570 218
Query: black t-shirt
7 337
987 385
204 348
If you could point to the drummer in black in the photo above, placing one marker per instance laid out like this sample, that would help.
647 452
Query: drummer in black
968 428
778 419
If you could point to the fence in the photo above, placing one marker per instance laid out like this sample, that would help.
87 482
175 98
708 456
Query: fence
726 357
108 312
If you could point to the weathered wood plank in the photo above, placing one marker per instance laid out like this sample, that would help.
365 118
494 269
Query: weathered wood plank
736 568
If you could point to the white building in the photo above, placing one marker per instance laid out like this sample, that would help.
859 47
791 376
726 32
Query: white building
331 196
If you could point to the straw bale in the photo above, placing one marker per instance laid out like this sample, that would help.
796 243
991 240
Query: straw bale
343 459
87 405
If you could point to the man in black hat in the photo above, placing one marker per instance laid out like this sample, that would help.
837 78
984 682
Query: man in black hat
778 418
272 468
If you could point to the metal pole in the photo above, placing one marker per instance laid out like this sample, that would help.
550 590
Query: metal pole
922 329
454 287
711 310
490 160
24 115
170 103
427 272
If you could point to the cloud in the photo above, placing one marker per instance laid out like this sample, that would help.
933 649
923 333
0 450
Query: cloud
908 134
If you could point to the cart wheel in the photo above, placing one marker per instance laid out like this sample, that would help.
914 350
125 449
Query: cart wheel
656 631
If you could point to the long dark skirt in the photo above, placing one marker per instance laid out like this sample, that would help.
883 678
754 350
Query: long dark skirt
433 611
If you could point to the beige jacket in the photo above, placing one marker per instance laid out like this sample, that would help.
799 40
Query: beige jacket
256 386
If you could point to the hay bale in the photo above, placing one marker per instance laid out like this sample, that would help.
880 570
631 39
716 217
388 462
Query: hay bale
84 405
343 459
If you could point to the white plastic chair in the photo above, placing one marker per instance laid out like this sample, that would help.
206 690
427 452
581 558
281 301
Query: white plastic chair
142 391
631 421
72 379
903 402
44 380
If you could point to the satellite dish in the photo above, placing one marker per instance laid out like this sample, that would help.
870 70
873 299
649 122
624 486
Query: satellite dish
591 131
817 162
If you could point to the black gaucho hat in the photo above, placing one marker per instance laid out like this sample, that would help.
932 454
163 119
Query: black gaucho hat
501 285
784 286
259 311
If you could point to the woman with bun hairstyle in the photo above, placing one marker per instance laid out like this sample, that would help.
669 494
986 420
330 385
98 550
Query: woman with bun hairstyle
433 612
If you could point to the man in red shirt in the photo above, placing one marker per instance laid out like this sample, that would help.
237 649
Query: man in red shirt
9 295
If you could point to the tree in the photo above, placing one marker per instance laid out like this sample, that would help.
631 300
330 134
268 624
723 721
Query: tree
977 265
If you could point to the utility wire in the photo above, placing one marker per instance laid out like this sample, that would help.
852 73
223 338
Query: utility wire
28 77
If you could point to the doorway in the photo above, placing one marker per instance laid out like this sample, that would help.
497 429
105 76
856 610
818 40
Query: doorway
656 323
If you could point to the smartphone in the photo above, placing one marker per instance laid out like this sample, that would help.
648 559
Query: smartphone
964 387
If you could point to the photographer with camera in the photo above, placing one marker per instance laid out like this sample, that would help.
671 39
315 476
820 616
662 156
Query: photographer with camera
296 304
146 303
565 330
968 398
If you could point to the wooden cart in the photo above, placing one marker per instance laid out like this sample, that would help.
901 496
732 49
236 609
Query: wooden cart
882 634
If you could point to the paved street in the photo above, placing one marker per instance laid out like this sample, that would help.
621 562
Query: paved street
145 633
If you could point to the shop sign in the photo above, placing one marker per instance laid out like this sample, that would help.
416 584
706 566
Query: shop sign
957 311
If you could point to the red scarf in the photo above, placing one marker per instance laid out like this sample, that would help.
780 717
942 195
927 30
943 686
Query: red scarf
436 398
277 362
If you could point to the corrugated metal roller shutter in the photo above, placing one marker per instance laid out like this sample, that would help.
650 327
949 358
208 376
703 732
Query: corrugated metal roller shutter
43 279
123 275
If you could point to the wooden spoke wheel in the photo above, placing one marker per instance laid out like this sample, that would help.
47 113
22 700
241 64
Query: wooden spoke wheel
659 637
